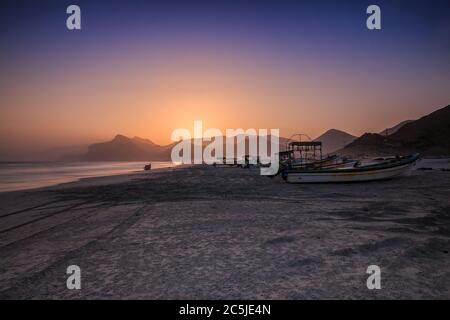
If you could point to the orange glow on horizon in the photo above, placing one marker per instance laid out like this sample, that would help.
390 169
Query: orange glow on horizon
91 103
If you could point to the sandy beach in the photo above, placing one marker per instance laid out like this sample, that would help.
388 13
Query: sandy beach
201 232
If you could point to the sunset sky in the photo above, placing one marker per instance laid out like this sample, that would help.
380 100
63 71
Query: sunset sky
142 68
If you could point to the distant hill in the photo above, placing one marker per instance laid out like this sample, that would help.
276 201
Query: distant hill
395 128
429 135
122 148
334 139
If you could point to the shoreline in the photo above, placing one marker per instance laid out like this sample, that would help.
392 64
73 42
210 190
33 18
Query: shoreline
101 180
104 179
124 177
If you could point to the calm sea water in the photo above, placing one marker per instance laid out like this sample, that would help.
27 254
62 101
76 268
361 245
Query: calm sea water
27 175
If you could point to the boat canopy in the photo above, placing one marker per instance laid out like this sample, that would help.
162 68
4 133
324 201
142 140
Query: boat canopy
305 143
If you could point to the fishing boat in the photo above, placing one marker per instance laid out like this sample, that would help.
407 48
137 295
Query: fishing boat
307 154
301 163
388 169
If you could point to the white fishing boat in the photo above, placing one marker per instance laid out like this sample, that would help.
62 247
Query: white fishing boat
387 170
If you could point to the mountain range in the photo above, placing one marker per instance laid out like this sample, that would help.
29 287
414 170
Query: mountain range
122 148
429 135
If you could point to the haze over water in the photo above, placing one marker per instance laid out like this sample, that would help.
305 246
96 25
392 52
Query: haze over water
28 175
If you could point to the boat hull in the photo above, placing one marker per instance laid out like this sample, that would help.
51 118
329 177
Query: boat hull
351 175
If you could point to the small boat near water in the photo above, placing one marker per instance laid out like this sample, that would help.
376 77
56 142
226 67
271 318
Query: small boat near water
388 169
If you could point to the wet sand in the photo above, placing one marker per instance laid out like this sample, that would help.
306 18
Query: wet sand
227 233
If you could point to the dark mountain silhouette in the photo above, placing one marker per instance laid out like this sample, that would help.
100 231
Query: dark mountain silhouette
429 135
395 128
122 148
334 139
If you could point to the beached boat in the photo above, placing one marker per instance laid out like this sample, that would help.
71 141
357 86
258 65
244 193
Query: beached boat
386 170
307 154
301 163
